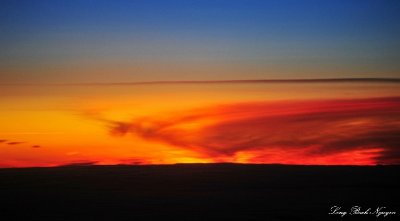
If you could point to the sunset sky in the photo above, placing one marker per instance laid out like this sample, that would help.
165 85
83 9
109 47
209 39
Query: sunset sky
160 82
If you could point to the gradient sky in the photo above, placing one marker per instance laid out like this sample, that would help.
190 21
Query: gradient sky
329 123
70 41
68 70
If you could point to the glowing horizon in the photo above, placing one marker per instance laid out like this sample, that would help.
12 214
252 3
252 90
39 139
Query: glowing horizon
352 123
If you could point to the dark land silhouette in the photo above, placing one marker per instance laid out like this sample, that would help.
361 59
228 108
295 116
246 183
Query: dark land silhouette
196 192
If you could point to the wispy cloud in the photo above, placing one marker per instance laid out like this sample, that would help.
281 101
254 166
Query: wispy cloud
12 143
310 128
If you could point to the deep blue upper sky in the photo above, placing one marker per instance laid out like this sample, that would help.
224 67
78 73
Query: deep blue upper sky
358 38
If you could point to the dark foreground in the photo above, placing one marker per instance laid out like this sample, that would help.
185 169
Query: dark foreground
197 192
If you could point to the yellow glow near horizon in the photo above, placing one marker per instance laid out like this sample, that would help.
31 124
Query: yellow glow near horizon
71 123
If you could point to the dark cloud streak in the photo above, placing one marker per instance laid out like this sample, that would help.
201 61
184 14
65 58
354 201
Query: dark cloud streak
240 81
15 143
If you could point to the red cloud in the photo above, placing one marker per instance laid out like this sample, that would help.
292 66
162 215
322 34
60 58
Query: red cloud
310 131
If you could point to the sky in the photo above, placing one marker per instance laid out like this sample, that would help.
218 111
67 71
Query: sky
161 82
71 41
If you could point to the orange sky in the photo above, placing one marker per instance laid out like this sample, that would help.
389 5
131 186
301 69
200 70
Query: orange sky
70 74
295 123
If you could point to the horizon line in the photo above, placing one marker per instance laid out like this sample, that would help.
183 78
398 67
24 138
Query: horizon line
237 81
83 165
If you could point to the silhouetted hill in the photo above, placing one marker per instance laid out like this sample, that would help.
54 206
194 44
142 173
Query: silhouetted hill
197 192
